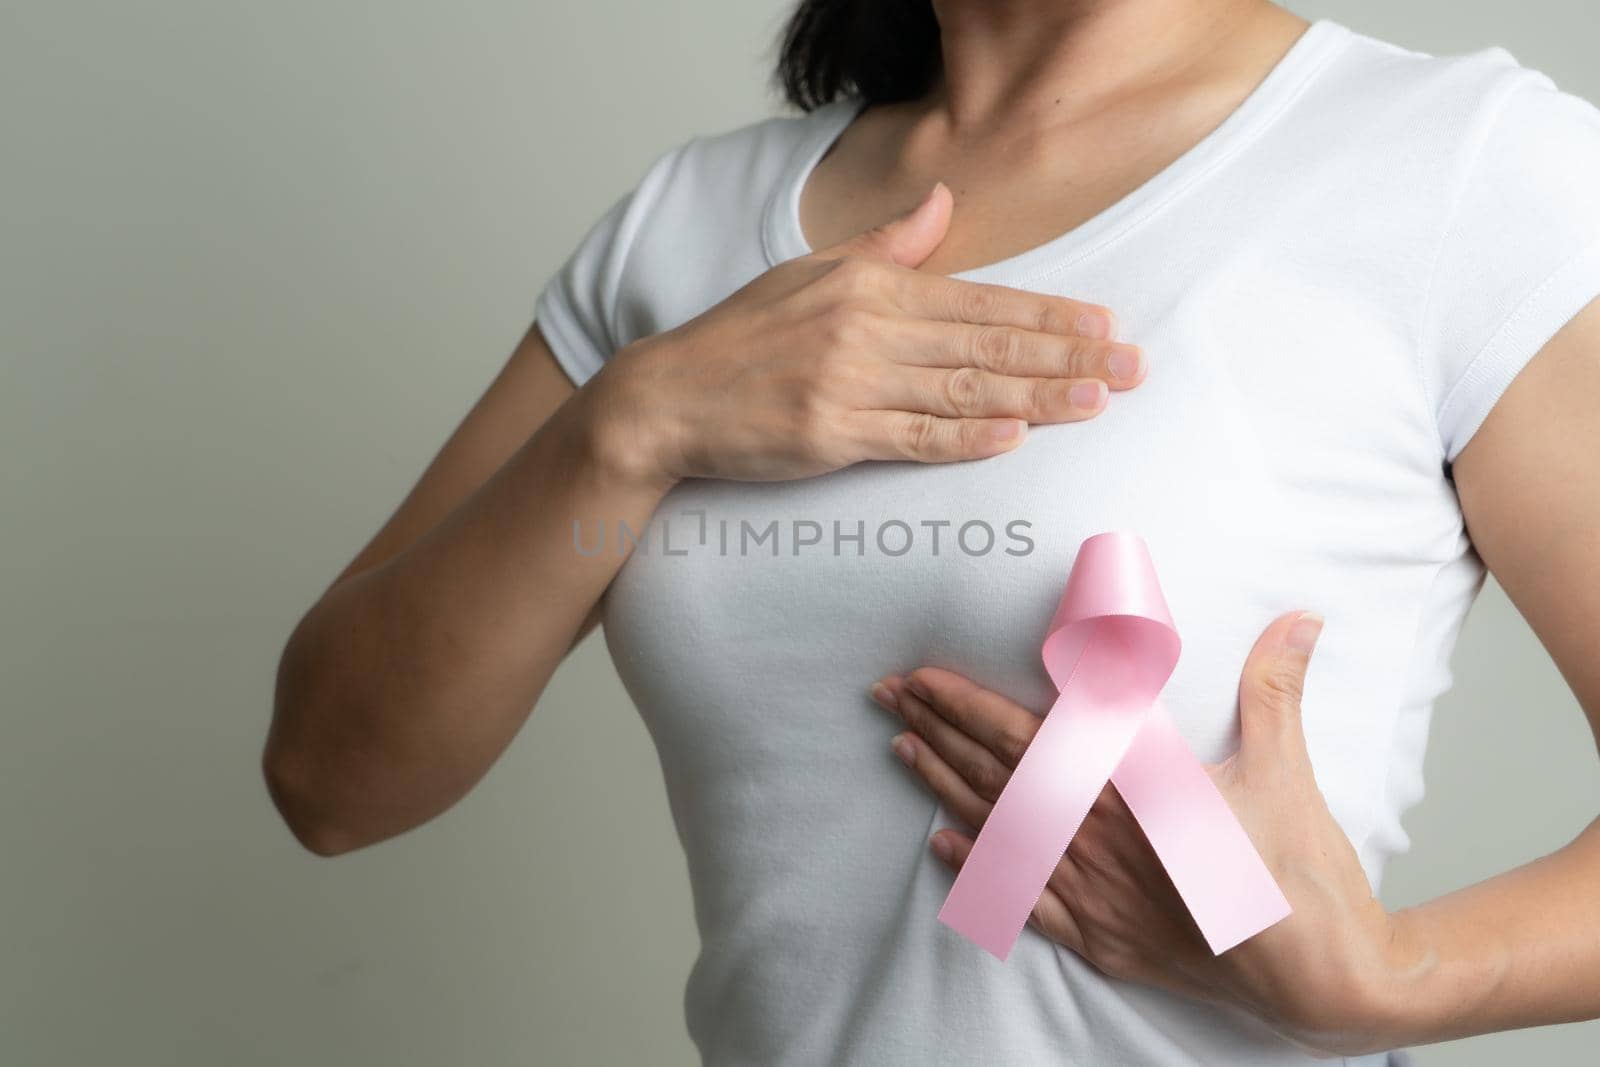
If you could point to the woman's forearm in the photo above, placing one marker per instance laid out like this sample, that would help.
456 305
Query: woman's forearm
405 682
1519 949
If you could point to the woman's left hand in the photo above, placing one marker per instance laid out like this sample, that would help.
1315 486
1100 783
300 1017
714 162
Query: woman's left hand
1319 977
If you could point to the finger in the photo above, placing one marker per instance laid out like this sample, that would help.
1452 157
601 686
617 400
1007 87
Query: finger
976 764
1012 350
1272 686
1001 725
951 789
936 296
905 240
925 438
967 392
1052 918
965 706
1122 897
1050 915
1109 846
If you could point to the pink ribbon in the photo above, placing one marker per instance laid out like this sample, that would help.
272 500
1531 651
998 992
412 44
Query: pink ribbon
1110 649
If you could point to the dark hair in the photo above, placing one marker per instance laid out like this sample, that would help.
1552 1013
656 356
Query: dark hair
881 50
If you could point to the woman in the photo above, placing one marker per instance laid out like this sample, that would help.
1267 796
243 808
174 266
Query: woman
1267 293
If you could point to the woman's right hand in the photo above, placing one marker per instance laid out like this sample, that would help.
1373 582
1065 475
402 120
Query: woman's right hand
852 354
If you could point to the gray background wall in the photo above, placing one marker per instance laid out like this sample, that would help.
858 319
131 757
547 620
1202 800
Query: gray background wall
255 262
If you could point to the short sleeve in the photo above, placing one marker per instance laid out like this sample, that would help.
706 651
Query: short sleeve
577 309
1520 253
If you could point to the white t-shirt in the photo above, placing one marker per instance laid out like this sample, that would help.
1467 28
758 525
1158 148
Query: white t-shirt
1332 289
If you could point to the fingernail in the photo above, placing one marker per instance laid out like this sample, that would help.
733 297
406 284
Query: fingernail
916 686
1007 430
1302 635
922 205
940 846
1124 363
885 696
1095 324
903 748
1087 394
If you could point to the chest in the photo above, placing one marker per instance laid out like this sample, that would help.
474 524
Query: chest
1011 193
1275 458
1258 469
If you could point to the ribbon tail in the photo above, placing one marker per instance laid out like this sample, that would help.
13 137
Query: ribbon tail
1224 882
1081 741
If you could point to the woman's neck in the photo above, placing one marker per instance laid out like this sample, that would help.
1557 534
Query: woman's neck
1030 63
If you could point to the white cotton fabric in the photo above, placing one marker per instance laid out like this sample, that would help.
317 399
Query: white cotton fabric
1332 289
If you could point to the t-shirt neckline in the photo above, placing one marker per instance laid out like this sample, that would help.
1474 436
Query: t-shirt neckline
782 237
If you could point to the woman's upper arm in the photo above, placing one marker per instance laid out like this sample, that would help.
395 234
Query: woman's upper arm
1529 485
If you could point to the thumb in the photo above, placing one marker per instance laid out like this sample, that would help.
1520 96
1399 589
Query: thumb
906 239
1273 683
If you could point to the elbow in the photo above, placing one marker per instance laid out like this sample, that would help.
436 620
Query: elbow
296 776
334 772
304 812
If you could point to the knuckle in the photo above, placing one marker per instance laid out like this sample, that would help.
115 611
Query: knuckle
812 402
995 347
917 435
986 779
973 437
963 389
1082 357
1040 397
1077 357
810 415
1056 317
844 363
844 325
975 303
855 275
809 429
1012 745
827 364
992 783
1281 682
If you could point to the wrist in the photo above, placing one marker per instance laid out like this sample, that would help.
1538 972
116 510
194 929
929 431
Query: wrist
1373 998
622 434
1405 997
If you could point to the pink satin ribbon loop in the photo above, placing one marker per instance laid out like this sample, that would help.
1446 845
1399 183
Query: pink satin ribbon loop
1110 648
